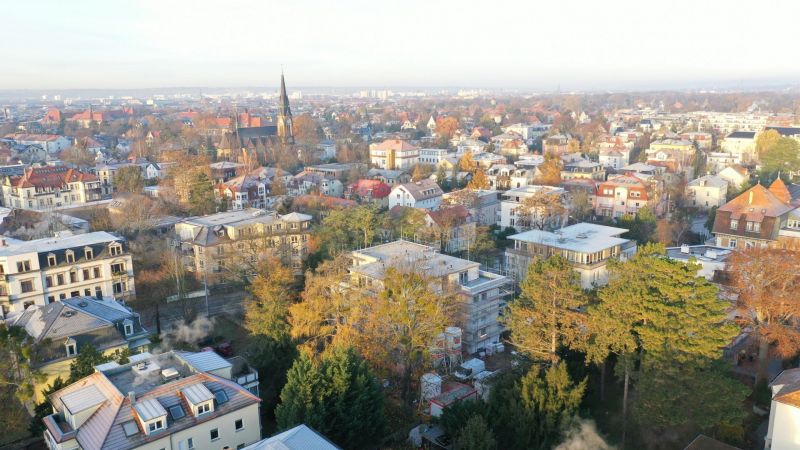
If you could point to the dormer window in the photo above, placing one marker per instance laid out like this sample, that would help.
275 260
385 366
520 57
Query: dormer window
115 249
128 326
70 256
734 224
51 260
88 253
71 346
155 426
199 398
203 408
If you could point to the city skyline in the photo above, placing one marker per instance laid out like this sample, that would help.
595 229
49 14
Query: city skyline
547 47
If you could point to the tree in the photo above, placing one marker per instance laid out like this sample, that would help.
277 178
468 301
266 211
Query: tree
129 179
270 347
581 207
83 364
441 178
397 327
533 412
202 200
305 130
550 170
78 155
466 163
542 209
337 395
783 156
16 373
545 315
479 180
766 141
641 226
657 311
446 127
475 435
767 281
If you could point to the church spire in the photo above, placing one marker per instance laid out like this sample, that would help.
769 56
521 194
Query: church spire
285 131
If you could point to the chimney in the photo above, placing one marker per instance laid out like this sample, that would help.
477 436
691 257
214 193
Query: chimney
132 397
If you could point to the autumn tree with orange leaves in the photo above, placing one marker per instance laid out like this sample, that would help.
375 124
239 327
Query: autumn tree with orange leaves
767 281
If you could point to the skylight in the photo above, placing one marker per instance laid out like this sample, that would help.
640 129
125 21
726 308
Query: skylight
221 396
130 428
176 412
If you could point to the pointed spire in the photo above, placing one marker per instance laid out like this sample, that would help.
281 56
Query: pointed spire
284 100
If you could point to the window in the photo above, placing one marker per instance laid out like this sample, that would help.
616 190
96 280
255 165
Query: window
23 266
749 226
190 444
155 425
463 277
732 243
214 434
26 286
734 224
70 256
89 253
75 294
71 349
73 277
118 268
86 275
203 408
757 227
87 292
48 281
115 250
238 424
128 329
60 278
51 299
96 272
51 260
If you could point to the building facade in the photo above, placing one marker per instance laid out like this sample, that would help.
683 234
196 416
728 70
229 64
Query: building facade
50 187
43 271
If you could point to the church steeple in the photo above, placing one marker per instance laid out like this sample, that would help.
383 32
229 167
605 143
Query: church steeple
285 131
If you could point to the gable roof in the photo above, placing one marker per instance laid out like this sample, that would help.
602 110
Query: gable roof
422 190
779 189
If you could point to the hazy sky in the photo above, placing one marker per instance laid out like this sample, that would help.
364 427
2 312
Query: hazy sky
527 44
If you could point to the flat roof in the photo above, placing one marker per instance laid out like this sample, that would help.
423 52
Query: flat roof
581 237
702 253
401 252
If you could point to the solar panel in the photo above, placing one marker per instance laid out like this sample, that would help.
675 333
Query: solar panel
221 397
130 428
176 412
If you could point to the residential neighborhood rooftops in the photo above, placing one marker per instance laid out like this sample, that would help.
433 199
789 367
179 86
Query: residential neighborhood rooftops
301 437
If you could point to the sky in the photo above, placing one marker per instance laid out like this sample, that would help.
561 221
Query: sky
540 45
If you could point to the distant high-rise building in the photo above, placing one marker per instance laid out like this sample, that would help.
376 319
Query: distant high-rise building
285 131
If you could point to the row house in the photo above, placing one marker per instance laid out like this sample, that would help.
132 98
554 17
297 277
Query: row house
483 295
225 245
588 247
43 271
50 187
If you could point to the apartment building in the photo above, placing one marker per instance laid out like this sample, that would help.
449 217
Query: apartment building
43 271
50 187
482 294
583 169
588 247
51 143
223 245
394 154
622 195
742 145
549 215
62 330
154 402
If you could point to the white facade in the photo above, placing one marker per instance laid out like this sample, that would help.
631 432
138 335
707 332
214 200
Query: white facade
783 432
513 199
425 194
433 156
51 143
43 271
706 192
615 158
742 145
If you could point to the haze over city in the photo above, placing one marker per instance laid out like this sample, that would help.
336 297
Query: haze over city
567 45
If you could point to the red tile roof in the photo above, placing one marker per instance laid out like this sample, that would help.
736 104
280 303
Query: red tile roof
371 188
50 177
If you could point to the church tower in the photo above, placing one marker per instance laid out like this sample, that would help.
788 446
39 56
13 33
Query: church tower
285 131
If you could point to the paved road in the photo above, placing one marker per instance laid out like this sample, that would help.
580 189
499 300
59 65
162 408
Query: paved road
228 303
